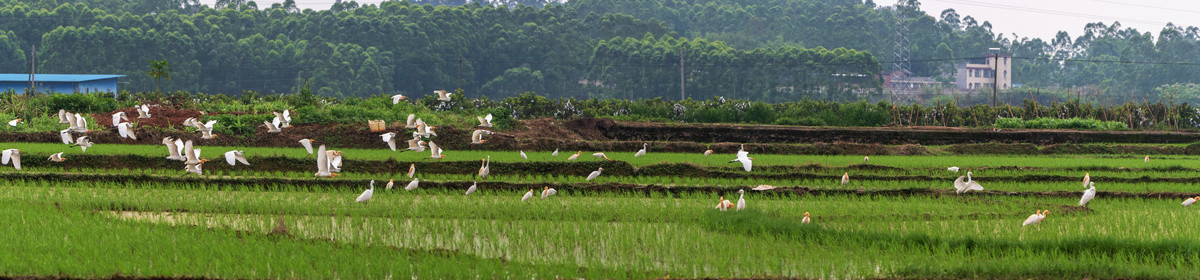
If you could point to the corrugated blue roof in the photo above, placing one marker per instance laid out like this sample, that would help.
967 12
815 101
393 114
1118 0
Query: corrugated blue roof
54 77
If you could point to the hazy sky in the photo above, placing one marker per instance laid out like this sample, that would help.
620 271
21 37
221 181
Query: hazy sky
1026 18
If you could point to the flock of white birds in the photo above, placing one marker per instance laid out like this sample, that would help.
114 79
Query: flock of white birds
329 162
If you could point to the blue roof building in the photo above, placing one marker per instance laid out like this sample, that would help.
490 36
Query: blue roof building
60 83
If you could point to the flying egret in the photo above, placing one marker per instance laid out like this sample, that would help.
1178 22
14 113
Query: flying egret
143 111
118 118
62 117
235 156
575 156
1190 201
1088 194
396 98
390 139
953 168
528 195
723 204
555 153
1087 178
523 156
435 152
323 164
206 129
78 123
193 164
335 160
641 152
307 145
65 134
484 169
282 120
741 204
548 191
472 188
963 187
416 145
1035 218
391 183
845 178
412 185
485 121
272 128
477 136
707 152
601 155
595 174
125 130
83 142
412 121
443 95
57 157
172 149
14 122
412 169
14 156
366 195
744 157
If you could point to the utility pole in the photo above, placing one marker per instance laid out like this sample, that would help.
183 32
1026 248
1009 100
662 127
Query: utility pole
682 92
995 77
460 61
32 68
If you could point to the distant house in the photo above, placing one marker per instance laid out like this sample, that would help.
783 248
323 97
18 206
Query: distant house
60 83
982 72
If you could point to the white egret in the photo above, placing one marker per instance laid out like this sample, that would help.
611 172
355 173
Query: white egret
806 220
962 187
412 169
443 95
953 168
1190 201
484 169
390 139
65 134
206 129
235 156
575 156
62 117
173 150
641 152
763 187
548 191
83 142
78 123
528 195
1087 178
412 185
707 152
595 174
523 156
555 153
1035 218
57 157
193 164
272 128
335 161
416 145
307 145
391 183
866 158
744 157
485 121
601 155
14 122
118 118
125 130
477 136
143 111
14 156
472 188
396 98
435 152
366 195
1088 194
412 121
741 204
845 178
1147 158
282 120
323 164
723 204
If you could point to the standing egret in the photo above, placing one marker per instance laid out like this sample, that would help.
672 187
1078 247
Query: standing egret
708 152
806 220
271 128
14 156
595 174
435 152
472 188
391 183
443 95
866 158
601 155
307 145
744 157
390 139
57 157
962 187
1147 158
528 195
1087 178
484 168
1035 218
235 156
1088 194
396 98
323 164
523 156
548 191
485 121
641 152
741 204
845 178
477 136
723 204
555 153
575 156
14 122
953 168
412 185
1190 201
366 195
412 169
143 111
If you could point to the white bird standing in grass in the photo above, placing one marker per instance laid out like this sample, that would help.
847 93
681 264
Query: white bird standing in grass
806 220
744 157
866 158
1147 158
845 178
723 204
443 95
1037 217
528 195
412 169
708 152
390 139
1087 178
366 195
523 156
272 128
953 169
962 187
472 188
595 174
741 204
57 157
396 98
235 156
307 145
391 183
14 122
601 155
548 191
323 164
555 153
1190 201
412 185
641 152
575 156
477 136
14 156
485 121
1088 194
484 168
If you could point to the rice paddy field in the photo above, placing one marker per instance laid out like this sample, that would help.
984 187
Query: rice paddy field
123 210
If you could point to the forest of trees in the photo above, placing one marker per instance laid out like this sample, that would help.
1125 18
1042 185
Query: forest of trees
771 50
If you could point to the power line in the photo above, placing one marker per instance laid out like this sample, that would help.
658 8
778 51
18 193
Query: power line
1047 11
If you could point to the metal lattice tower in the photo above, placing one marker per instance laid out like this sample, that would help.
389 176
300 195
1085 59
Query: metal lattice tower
900 39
